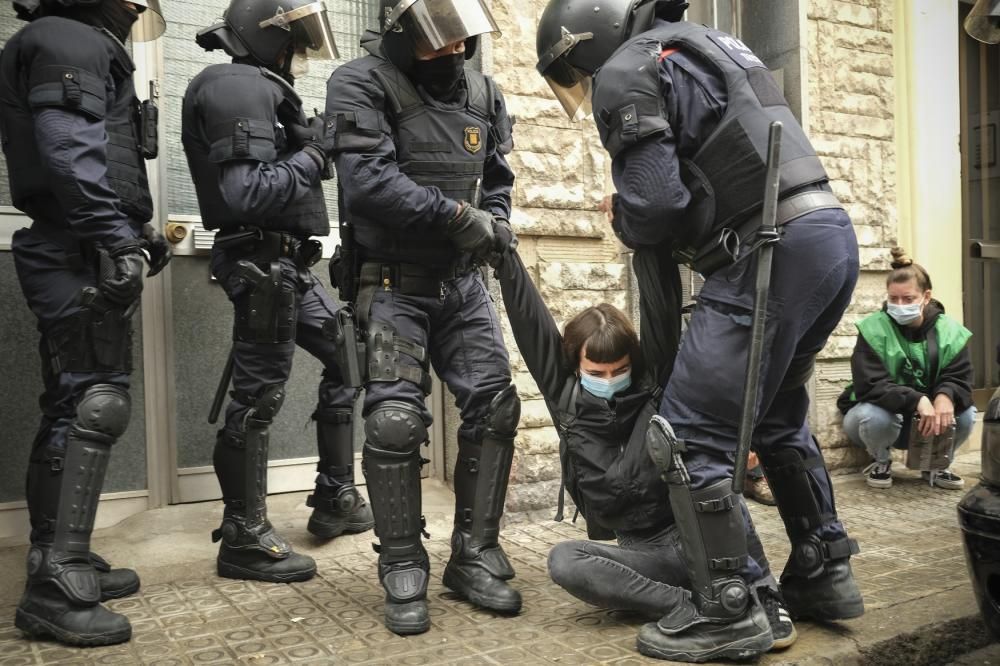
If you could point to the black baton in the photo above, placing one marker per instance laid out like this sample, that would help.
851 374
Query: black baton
767 236
220 392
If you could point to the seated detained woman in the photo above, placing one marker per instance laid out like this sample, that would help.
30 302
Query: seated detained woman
601 396
911 368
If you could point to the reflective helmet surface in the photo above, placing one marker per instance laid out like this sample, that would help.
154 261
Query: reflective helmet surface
430 25
266 30
983 21
574 39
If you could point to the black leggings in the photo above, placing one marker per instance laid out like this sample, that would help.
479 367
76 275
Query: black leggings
645 573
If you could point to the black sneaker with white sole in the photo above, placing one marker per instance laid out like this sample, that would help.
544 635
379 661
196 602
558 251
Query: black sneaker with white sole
879 475
782 628
944 479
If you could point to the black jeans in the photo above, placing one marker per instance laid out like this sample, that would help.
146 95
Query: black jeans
645 573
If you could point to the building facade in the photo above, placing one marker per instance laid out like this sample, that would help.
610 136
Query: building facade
901 107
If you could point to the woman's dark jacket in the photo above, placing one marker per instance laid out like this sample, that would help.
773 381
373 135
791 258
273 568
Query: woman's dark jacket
606 469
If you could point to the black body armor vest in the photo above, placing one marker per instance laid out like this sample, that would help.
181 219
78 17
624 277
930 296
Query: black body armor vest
75 85
238 112
726 175
437 144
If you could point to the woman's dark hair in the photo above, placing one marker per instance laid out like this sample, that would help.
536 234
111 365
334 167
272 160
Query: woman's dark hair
904 270
607 334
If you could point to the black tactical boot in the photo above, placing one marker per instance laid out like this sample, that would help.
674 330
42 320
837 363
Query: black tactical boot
115 583
744 638
338 507
817 582
722 618
62 592
405 586
338 511
45 612
479 568
825 593
479 575
258 553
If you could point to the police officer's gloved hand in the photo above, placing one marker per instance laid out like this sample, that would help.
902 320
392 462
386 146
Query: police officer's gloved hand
124 284
316 138
158 249
504 242
472 231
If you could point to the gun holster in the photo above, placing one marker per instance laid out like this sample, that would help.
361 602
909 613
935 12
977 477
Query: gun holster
351 351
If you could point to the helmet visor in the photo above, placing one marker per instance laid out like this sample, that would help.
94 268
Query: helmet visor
310 27
434 24
575 99
150 24
570 85
983 22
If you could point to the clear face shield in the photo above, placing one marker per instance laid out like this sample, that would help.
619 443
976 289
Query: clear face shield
983 22
572 87
310 27
434 24
150 24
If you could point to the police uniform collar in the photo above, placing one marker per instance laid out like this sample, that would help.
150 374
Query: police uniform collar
290 92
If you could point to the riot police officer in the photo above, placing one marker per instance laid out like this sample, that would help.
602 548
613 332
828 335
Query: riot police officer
684 112
74 142
257 164
420 152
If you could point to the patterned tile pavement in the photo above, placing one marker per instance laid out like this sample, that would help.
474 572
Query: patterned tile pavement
908 533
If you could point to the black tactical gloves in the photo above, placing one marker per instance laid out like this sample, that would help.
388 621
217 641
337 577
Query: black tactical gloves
157 247
316 138
472 231
504 242
121 282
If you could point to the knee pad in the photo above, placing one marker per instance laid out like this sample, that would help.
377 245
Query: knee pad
504 414
396 427
264 406
103 410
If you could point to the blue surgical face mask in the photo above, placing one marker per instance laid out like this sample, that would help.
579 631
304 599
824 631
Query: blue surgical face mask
606 388
904 314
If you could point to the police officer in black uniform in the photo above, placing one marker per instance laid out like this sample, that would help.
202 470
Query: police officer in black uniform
421 145
75 147
257 164
684 111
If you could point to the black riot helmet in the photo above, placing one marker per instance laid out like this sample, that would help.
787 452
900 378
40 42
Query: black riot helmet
264 31
421 26
148 27
983 21
575 39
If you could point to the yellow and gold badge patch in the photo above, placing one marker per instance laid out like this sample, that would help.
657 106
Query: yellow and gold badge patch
473 139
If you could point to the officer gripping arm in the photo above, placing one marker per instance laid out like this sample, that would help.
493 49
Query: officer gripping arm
366 159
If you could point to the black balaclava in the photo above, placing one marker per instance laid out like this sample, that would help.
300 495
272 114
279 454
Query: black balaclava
113 15
441 77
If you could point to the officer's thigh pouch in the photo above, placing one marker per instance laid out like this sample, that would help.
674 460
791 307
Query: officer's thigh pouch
91 341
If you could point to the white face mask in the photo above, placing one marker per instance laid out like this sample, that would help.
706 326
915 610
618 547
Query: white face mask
299 66
904 314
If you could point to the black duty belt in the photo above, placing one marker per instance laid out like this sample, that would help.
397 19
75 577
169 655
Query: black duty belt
410 279
268 246
725 248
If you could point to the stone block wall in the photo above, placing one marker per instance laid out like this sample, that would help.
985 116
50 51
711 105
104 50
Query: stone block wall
851 88
562 176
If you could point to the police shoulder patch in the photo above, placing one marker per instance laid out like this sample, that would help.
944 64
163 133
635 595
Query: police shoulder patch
473 139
